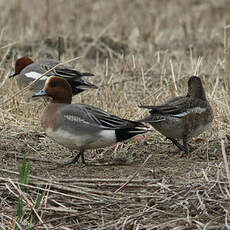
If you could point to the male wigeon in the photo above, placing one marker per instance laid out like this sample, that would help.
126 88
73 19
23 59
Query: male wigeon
28 71
81 126
182 117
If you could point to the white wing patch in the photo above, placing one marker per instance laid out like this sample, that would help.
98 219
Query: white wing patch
75 119
193 110
159 119
35 75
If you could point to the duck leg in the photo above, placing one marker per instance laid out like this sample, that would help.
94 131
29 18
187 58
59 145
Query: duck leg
185 139
82 157
178 145
76 158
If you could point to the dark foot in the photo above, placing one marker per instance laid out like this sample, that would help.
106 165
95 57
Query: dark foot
185 144
178 145
76 158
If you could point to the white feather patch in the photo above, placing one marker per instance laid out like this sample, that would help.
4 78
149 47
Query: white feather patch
75 119
83 140
35 75
192 110
107 137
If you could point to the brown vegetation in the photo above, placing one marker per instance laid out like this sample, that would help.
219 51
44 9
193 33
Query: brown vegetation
136 49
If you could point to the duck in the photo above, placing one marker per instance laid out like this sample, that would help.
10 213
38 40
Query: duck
27 71
182 117
81 126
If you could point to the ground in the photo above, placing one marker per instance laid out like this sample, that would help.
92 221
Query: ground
141 52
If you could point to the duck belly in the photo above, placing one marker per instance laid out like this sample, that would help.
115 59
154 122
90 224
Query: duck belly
84 140
170 127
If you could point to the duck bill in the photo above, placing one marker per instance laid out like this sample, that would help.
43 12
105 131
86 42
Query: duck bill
41 93
13 75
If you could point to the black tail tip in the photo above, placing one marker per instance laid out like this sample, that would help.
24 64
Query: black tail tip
127 133
87 74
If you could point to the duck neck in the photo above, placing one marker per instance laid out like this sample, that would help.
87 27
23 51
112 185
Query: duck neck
201 94
197 92
62 100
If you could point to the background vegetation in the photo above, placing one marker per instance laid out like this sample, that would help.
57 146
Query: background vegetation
136 50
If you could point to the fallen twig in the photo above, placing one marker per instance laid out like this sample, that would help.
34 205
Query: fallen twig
129 180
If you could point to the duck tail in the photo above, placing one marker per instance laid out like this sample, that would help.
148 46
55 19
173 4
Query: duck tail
86 74
124 133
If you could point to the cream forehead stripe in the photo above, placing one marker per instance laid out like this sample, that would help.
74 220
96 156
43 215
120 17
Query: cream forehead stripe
48 80
35 75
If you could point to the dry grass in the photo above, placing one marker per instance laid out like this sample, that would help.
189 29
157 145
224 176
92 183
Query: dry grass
143 204
142 53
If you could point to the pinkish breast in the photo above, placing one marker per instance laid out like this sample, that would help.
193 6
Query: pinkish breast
49 116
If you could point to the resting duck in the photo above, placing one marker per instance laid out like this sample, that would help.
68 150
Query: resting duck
28 71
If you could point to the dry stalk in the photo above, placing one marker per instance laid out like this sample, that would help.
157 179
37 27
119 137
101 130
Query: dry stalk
61 47
227 58
20 192
47 18
132 177
8 45
98 37
89 180
47 190
174 89
225 161
17 156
